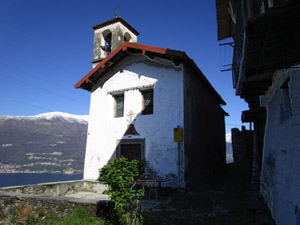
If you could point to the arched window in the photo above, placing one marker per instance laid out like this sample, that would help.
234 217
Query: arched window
127 36
107 40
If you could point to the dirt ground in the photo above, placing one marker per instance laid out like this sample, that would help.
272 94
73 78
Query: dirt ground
217 200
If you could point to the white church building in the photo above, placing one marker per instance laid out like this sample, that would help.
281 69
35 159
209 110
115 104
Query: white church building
142 97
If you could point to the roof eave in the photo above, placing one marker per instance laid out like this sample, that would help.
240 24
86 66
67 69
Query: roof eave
125 47
115 20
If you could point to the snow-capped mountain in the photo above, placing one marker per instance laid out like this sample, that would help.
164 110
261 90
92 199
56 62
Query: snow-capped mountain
53 115
49 142
228 138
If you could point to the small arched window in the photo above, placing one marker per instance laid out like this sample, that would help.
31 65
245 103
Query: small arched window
127 37
107 40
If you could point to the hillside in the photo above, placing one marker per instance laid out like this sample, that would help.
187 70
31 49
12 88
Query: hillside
50 142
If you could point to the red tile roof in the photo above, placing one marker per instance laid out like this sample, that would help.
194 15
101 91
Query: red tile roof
125 48
121 50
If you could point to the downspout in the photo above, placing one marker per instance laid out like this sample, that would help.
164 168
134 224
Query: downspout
249 9
179 164
178 137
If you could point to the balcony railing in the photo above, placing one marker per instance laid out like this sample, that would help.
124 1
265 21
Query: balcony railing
239 43
246 10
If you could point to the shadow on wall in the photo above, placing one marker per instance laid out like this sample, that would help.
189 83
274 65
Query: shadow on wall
132 145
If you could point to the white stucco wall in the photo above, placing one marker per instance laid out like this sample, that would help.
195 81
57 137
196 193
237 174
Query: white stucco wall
157 129
280 179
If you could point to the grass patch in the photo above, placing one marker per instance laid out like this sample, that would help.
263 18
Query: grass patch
79 216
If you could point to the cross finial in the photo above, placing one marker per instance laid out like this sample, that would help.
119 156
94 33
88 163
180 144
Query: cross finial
116 8
130 115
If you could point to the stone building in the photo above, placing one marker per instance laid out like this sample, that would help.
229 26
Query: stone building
241 145
266 74
142 97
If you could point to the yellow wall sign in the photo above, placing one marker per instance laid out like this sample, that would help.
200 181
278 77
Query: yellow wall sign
178 134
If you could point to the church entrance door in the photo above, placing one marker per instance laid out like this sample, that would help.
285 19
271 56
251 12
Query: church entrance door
131 151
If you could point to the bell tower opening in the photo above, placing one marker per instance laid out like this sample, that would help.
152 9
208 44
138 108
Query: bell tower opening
109 35
127 37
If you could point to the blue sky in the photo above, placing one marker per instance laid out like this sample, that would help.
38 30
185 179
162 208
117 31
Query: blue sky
46 47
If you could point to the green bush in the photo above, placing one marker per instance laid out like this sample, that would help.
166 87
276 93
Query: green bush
120 176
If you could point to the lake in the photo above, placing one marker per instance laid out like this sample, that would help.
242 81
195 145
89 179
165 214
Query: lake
11 179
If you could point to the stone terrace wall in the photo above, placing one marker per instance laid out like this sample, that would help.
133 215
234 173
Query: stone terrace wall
42 199
11 203
58 188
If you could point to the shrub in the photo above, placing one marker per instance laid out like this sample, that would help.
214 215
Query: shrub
24 214
120 176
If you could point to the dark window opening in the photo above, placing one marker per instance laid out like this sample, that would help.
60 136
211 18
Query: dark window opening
131 151
286 110
147 102
127 37
119 105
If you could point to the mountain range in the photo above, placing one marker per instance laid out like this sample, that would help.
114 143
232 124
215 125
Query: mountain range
49 143
46 143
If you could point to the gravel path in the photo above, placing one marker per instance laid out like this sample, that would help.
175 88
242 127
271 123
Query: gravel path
218 200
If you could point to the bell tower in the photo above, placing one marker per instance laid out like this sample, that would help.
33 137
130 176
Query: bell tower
109 35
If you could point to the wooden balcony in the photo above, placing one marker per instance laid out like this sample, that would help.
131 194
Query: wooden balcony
270 42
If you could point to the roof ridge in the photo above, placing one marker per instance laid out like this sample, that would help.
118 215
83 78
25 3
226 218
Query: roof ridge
115 20
122 48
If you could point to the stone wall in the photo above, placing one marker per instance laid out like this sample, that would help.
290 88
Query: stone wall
51 198
58 188
241 145
256 165
280 183
12 203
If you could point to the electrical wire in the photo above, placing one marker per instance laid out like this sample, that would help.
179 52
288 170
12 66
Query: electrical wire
19 32
36 77
39 78
41 59
43 89
26 103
